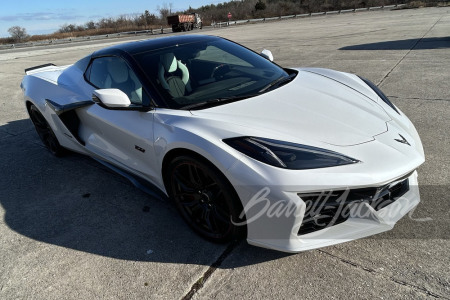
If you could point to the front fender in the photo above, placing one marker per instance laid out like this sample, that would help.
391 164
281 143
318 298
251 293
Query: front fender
179 130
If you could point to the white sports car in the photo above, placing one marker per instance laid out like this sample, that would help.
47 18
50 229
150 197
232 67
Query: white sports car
293 159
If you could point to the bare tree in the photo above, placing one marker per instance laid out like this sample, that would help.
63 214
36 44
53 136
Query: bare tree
90 25
165 10
260 5
18 33
67 28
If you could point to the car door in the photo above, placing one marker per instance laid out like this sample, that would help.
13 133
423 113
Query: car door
122 137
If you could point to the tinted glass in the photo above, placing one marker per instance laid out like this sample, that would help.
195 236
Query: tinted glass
114 72
208 70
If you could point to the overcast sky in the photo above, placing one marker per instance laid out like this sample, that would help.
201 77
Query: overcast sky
46 16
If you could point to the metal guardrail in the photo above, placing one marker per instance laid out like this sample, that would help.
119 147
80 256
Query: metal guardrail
86 38
166 30
323 13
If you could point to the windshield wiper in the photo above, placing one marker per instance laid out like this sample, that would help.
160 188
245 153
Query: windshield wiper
215 102
278 82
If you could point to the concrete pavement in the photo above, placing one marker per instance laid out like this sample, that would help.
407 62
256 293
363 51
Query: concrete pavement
72 229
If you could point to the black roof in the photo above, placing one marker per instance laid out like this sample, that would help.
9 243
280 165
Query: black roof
153 44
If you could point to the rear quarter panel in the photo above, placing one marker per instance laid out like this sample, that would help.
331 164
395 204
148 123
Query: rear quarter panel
63 85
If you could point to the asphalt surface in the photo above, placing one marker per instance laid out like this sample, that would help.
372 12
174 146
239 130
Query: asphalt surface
71 229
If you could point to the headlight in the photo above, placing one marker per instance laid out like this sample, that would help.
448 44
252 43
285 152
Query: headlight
288 155
379 93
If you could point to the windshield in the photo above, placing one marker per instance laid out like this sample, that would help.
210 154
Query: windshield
208 71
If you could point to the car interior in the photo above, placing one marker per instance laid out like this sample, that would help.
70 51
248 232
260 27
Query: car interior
114 72
188 77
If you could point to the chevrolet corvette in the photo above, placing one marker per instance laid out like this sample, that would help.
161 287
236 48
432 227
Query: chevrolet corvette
289 158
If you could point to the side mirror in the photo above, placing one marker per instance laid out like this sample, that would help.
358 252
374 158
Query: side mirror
267 54
111 98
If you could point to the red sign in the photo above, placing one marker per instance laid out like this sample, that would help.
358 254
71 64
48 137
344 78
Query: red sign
229 15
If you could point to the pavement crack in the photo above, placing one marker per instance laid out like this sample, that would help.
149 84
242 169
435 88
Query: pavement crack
418 98
201 281
406 54
346 261
391 278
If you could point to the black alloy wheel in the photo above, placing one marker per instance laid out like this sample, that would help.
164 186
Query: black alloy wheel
45 132
205 199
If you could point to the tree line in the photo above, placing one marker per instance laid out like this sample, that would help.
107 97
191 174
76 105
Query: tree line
248 9
240 10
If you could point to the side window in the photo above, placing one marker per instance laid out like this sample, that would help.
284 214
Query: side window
112 72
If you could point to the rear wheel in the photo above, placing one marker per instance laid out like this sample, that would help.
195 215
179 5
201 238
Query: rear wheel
205 199
45 132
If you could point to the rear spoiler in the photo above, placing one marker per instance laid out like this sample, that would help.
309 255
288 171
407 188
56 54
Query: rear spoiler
38 67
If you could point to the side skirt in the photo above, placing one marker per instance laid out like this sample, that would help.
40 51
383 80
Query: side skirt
137 181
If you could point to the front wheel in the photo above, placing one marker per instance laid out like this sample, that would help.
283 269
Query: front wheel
205 199
45 132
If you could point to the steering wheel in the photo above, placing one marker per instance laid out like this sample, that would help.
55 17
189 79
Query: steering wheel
220 71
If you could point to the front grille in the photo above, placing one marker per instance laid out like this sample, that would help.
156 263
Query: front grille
329 208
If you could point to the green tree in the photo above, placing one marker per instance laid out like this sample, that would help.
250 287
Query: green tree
149 18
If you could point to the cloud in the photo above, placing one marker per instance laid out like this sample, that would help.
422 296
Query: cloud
39 16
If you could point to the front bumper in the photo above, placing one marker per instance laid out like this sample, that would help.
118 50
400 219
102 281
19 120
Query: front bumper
363 220
366 221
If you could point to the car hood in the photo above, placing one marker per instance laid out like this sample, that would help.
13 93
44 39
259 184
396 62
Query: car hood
318 106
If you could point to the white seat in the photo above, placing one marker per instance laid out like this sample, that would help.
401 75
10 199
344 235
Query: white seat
121 77
173 75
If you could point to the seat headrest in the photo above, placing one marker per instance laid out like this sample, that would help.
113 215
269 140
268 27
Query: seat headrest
118 70
169 62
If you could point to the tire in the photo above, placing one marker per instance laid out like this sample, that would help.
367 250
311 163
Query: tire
45 132
205 199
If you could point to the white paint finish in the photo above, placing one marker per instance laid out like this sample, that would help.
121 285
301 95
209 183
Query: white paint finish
321 108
